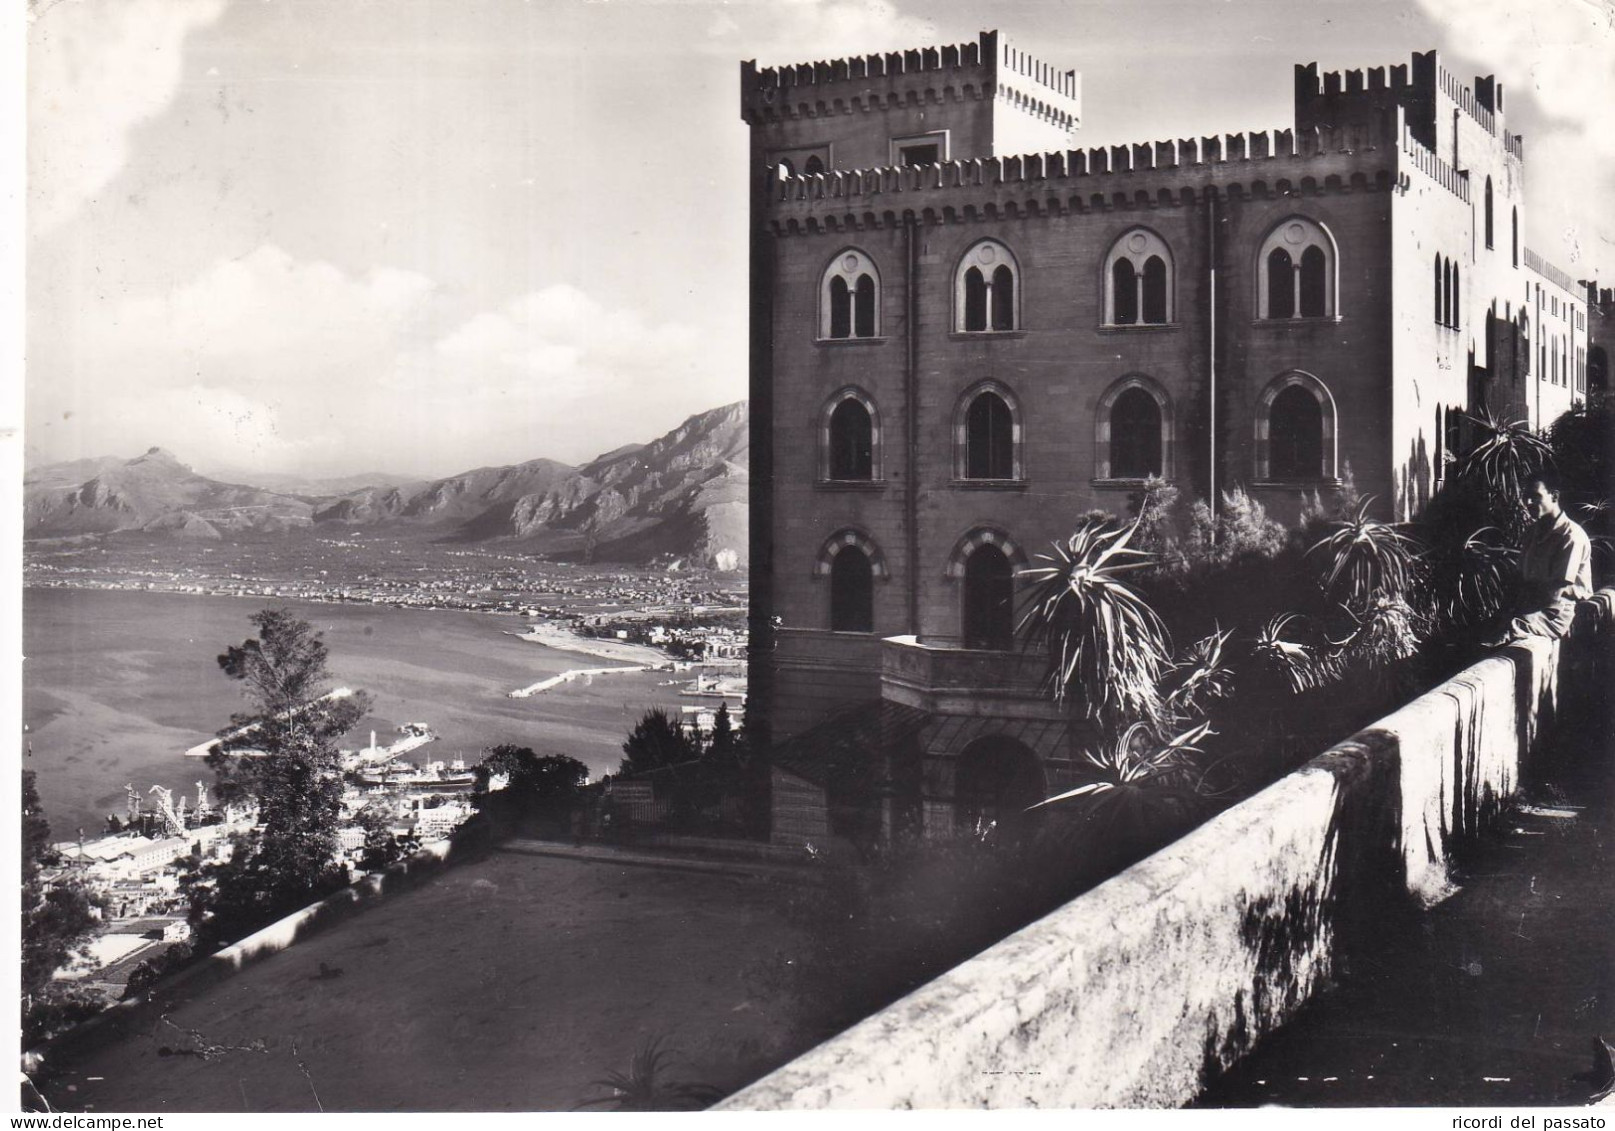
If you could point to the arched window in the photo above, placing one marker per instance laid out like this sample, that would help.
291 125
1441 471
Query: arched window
1124 284
851 561
1488 212
1135 436
1456 308
1280 284
1292 282
1133 431
815 164
849 299
987 289
852 447
1440 291
852 592
1296 426
1313 288
997 781
1514 216
988 435
1446 292
849 438
1138 280
989 600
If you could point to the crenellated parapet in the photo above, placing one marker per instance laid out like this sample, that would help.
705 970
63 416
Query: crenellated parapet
1423 87
1560 278
1156 174
951 73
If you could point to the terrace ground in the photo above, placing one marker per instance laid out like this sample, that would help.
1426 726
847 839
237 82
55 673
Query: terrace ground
506 983
1496 995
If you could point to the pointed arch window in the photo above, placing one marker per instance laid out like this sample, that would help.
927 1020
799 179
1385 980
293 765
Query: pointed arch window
1295 431
849 438
1440 292
851 561
1133 431
987 435
849 297
985 561
1298 272
1138 280
1514 223
987 290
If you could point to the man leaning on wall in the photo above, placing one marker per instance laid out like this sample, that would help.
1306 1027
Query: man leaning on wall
1555 567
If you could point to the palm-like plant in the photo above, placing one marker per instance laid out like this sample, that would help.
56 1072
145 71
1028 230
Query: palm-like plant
1199 679
1104 641
1366 560
1303 667
1135 759
645 1086
1505 458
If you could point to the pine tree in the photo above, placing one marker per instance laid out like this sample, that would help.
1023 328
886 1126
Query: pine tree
58 919
282 755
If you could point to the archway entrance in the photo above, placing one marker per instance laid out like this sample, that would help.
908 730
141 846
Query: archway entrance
996 780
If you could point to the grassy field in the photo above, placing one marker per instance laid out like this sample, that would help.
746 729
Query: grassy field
116 685
509 983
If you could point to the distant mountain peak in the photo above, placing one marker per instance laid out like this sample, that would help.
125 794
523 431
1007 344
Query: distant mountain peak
160 455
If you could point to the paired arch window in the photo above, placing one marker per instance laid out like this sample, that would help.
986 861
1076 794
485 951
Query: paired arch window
987 434
987 289
1133 431
1138 280
1446 292
849 297
852 561
1296 426
986 560
1298 272
849 438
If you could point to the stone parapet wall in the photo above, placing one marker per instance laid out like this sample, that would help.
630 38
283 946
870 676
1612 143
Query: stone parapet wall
1137 992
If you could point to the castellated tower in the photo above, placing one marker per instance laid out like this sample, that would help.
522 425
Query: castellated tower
967 331
952 103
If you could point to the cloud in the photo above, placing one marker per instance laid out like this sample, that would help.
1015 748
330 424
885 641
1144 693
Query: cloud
97 69
795 31
566 337
1561 53
283 363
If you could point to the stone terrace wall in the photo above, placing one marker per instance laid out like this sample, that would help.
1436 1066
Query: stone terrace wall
1136 992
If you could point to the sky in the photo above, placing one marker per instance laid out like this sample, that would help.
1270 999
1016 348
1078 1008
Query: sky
420 236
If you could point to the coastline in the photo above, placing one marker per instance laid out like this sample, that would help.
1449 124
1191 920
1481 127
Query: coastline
565 640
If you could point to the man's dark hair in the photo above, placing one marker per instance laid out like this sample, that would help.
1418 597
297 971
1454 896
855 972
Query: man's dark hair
1549 478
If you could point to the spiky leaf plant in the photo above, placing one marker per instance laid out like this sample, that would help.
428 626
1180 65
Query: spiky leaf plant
1198 680
1104 642
1301 666
645 1086
1503 460
1365 560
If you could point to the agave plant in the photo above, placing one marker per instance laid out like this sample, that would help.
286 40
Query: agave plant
1303 667
1367 560
1506 457
1199 679
1486 570
1104 641
645 1086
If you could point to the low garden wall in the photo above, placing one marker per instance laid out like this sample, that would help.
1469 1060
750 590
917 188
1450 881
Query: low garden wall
1137 992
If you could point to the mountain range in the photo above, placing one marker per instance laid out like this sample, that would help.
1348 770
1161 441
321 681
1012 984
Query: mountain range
681 495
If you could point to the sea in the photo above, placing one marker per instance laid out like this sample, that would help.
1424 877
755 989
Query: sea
118 684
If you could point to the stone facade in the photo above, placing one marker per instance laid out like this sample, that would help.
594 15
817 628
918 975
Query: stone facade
949 357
